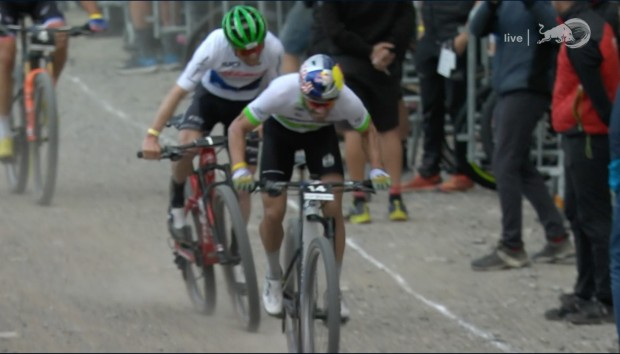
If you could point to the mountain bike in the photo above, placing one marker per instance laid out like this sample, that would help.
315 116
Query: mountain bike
219 235
309 256
34 118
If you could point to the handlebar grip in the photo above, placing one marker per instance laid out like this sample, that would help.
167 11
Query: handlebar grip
140 154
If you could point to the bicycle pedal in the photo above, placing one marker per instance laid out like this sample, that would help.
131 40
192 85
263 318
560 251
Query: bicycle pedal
180 261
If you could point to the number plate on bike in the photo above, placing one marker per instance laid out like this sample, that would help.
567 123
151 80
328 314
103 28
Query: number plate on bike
318 192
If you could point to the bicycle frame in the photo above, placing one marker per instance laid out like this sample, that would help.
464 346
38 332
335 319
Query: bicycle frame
203 182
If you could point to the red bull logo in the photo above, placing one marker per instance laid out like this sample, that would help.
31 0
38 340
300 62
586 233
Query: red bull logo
574 33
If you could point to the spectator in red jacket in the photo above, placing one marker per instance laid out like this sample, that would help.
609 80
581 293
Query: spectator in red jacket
585 85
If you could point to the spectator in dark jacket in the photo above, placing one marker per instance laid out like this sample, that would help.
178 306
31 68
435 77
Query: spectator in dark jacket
586 82
369 40
522 80
442 22
614 185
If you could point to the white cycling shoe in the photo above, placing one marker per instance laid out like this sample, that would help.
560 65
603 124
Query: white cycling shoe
272 296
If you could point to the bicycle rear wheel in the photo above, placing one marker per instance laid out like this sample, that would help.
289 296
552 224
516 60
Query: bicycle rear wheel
44 150
320 309
199 277
17 167
241 274
291 287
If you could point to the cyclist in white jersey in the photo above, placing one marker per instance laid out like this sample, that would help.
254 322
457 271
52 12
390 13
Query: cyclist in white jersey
229 69
298 112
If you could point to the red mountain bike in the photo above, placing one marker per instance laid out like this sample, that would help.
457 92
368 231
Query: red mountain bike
219 235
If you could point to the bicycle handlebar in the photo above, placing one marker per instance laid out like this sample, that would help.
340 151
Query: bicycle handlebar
176 152
276 188
71 30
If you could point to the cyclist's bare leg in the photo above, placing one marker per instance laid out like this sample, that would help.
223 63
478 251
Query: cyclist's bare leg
62 47
271 231
180 171
334 209
7 63
392 155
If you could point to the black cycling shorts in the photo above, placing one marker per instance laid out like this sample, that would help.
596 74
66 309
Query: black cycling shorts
379 92
280 144
40 11
206 110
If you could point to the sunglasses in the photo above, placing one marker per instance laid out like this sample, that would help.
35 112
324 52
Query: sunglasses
247 52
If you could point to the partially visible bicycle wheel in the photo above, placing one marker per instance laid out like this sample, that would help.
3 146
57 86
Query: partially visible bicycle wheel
199 277
478 169
17 167
320 299
291 288
44 150
241 274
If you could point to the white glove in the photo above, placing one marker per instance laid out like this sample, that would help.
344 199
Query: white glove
242 179
380 179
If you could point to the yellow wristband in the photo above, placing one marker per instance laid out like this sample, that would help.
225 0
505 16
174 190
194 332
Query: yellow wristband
239 165
152 132
95 16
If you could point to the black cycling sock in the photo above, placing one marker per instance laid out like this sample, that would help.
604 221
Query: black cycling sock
177 194
395 196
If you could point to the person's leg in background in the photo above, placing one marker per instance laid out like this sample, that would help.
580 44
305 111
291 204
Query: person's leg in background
170 12
404 128
614 253
456 94
295 36
145 61
433 110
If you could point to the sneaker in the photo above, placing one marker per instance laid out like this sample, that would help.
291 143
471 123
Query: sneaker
170 62
457 183
6 148
501 258
272 296
359 213
397 210
139 66
555 251
420 183
591 313
570 303
182 235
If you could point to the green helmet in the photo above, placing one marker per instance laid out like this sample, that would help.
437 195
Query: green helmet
244 27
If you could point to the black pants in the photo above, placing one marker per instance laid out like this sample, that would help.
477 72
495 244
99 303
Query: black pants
515 116
438 95
588 208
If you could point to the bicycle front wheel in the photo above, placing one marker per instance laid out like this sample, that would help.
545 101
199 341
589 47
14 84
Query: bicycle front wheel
44 150
17 167
320 299
240 273
290 247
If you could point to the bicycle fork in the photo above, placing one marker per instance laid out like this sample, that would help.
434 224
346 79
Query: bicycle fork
29 87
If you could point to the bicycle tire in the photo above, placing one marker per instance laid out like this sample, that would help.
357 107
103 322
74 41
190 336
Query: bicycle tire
320 247
205 300
17 169
195 38
291 287
46 115
479 172
226 202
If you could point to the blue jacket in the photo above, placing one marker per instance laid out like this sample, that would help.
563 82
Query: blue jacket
517 65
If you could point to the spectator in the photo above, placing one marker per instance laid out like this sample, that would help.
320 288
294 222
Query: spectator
369 41
522 79
614 185
610 12
586 82
442 20
295 35
148 59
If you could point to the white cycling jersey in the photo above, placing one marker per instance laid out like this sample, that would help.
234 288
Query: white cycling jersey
223 74
283 101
